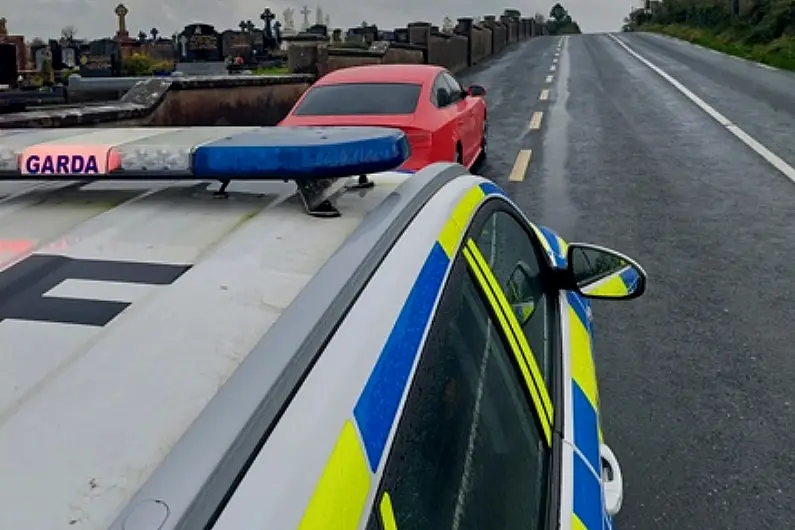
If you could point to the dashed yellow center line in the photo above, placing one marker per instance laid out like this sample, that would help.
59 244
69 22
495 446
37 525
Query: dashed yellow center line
552 68
549 78
544 95
535 121
520 166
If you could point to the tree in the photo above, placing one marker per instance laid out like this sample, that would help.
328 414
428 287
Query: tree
558 12
154 33
37 41
68 33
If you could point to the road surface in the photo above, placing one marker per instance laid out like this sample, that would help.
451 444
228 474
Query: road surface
697 376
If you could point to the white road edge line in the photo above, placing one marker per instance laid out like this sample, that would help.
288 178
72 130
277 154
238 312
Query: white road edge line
772 158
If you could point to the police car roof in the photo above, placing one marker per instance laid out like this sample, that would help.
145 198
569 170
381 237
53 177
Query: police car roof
125 306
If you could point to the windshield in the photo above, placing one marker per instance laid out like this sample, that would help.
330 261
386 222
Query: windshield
354 99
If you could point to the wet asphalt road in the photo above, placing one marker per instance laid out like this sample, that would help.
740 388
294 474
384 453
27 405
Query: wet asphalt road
698 376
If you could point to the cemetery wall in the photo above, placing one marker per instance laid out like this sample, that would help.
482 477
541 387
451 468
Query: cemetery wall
262 100
243 100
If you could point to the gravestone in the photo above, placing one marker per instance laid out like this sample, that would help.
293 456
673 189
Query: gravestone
8 64
69 57
199 43
38 52
237 44
318 29
100 58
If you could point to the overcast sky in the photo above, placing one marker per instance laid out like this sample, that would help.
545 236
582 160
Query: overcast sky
95 18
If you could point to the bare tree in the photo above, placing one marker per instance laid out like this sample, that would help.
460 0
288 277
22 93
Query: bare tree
69 32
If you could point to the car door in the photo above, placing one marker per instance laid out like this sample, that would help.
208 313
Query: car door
470 108
468 123
523 259
557 326
475 446
443 100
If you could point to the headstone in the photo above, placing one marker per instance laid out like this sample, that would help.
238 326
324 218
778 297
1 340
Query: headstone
8 64
96 65
200 43
237 44
38 52
69 57
305 12
100 58
318 29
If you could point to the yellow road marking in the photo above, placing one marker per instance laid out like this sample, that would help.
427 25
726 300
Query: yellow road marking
544 95
549 78
520 166
535 122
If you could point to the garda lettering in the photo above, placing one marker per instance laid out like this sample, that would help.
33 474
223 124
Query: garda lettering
62 165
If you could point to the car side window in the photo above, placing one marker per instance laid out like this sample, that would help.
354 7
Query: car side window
517 264
441 96
455 87
468 452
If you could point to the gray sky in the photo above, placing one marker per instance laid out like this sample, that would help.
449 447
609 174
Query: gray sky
95 18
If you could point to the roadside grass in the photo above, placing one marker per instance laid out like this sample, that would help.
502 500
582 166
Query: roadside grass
779 53
280 70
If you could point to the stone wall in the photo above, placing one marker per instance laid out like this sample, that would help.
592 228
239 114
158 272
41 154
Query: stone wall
259 100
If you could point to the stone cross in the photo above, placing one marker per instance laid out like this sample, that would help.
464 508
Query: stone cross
318 16
267 16
122 12
243 26
305 11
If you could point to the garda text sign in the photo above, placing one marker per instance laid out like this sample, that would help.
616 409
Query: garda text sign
64 160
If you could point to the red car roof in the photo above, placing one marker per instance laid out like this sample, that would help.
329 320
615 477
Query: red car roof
382 73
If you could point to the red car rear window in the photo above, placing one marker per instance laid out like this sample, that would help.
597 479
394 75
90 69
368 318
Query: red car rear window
352 99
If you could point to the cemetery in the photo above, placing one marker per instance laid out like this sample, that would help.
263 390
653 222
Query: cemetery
156 80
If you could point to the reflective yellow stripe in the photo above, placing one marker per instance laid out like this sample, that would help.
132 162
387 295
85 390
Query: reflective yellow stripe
576 524
583 370
527 352
387 513
341 493
459 220
517 352
611 286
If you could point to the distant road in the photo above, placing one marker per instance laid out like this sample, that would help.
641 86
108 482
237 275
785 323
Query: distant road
697 376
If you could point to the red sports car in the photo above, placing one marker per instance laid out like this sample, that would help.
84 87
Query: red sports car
443 121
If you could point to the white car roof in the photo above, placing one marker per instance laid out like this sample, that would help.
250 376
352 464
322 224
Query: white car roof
126 306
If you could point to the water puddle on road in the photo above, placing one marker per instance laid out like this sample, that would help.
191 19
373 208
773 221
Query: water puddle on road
558 208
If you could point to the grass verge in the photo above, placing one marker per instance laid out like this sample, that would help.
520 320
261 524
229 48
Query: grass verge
779 53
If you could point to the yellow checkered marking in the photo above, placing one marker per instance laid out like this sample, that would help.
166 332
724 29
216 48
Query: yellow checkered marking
340 496
451 234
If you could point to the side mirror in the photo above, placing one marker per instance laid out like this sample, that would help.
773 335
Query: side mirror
476 90
598 272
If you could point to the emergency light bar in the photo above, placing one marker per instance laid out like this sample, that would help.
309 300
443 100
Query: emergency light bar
314 157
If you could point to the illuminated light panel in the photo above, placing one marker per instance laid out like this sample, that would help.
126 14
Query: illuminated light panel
302 153
152 158
57 159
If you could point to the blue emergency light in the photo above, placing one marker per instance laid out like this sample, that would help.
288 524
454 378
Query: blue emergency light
301 153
